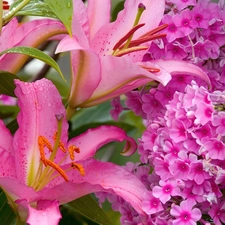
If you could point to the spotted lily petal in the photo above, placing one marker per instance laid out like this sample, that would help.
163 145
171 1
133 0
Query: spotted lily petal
36 118
90 141
99 176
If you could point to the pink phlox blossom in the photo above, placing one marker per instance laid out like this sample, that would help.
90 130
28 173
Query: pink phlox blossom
202 132
217 212
178 131
218 39
184 22
164 94
171 150
179 169
7 100
166 190
117 108
129 216
215 149
156 50
161 168
174 51
151 204
203 113
204 49
134 102
201 17
151 106
181 4
180 81
172 30
197 173
185 214
188 195
219 123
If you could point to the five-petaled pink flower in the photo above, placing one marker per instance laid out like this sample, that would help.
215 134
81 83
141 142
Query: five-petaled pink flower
40 169
185 214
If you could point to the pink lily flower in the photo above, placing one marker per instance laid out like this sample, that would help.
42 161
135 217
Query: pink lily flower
30 34
40 169
106 58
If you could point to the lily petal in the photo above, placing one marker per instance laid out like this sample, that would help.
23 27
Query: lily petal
98 14
90 141
31 33
47 212
120 75
176 67
105 39
7 164
99 176
85 79
80 23
6 138
39 102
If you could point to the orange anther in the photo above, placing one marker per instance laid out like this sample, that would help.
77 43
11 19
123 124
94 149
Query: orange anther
57 168
43 142
73 149
79 167
61 145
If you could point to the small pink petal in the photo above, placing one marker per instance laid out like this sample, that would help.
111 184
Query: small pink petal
46 213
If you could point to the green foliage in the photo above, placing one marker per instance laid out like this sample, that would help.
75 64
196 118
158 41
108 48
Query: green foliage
35 53
89 208
7 216
34 8
63 9
7 85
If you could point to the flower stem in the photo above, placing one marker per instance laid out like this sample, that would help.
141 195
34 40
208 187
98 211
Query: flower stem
14 10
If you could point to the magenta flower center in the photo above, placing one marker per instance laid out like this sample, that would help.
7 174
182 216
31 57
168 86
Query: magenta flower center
185 216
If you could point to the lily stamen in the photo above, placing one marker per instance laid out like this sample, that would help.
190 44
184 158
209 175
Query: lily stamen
45 175
126 36
71 151
78 167
151 69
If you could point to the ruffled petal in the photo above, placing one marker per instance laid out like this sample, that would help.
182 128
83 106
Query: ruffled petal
176 67
39 104
90 141
120 75
47 212
99 176
31 34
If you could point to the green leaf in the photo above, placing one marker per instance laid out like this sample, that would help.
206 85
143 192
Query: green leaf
63 9
88 207
34 8
35 53
7 216
8 111
7 85
13 126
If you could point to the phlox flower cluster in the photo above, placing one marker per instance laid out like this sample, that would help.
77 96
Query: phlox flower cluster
196 33
182 151
182 162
